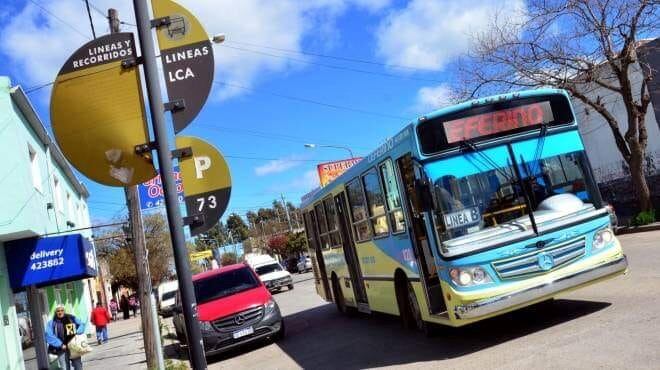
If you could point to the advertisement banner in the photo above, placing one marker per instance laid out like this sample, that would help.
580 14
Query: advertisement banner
331 170
151 192
48 261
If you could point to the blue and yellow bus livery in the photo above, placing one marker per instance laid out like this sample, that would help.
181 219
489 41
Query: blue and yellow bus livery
472 211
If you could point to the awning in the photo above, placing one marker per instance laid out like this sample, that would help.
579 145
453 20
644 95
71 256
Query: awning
49 261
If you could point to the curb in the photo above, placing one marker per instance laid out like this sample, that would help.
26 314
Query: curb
636 229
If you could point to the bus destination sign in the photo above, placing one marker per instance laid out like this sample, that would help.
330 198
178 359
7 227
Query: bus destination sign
498 121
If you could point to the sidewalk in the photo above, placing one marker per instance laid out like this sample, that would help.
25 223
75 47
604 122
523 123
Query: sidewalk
124 350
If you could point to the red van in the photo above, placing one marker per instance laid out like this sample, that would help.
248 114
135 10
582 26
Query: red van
234 308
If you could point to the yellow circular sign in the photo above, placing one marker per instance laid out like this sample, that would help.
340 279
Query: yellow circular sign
97 112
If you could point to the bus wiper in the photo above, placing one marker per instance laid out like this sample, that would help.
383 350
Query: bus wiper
539 148
469 145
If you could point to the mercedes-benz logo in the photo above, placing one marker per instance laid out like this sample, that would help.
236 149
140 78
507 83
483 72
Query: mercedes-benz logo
239 319
545 261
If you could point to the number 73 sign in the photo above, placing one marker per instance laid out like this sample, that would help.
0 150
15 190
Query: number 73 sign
206 182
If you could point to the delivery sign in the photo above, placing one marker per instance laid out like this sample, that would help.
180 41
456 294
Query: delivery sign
151 192
331 170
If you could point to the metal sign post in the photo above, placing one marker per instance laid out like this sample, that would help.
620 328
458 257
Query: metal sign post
161 145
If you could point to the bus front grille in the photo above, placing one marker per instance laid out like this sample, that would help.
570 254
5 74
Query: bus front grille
530 263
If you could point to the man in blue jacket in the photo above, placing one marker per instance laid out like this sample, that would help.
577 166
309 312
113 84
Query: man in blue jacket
59 332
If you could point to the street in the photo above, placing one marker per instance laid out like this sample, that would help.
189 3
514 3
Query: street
613 324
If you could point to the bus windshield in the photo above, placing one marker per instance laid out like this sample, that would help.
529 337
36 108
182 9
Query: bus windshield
482 196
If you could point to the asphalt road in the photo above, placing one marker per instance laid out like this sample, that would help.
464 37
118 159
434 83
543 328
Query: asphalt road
611 325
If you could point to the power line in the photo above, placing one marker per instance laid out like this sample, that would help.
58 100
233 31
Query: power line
335 57
59 19
331 66
310 101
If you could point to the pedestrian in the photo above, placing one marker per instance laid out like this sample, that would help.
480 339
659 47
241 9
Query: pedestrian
132 302
59 332
123 304
113 309
100 318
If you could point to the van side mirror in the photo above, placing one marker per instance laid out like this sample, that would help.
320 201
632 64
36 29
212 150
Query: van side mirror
424 196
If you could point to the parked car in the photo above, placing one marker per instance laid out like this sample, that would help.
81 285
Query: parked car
292 265
234 308
304 265
166 297
270 272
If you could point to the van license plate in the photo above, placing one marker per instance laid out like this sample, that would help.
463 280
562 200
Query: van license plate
243 332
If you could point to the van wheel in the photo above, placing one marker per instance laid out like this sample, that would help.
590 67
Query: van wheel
290 286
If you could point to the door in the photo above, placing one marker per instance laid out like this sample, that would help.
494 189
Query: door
349 249
314 245
419 235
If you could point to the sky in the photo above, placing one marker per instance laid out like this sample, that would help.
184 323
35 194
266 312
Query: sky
335 72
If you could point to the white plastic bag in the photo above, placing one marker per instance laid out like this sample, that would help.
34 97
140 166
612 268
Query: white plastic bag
78 346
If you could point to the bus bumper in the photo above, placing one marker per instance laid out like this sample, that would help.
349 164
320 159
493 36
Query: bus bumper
492 305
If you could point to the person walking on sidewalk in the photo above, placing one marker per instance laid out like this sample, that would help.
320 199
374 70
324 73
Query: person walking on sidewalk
59 332
123 304
100 318
114 307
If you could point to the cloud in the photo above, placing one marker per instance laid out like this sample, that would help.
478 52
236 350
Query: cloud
430 34
276 166
432 97
308 181
36 44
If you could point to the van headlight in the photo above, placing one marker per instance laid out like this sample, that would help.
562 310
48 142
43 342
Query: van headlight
270 306
469 276
603 238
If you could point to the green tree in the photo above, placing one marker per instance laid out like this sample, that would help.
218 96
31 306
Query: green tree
296 244
237 227
228 258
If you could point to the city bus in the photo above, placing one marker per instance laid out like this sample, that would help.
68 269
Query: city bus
469 212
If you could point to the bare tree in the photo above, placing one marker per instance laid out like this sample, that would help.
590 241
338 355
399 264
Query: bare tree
587 47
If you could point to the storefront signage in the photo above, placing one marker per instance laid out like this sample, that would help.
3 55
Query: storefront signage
206 181
187 56
49 261
98 115
331 170
151 192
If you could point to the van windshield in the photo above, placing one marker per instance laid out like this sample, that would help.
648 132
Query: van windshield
267 269
224 284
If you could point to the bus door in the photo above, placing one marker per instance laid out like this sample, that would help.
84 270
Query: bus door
318 264
421 244
350 253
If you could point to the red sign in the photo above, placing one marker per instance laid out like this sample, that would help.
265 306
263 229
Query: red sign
497 122
331 170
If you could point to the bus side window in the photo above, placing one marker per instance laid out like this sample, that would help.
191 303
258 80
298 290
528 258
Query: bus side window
358 211
375 202
393 197
323 226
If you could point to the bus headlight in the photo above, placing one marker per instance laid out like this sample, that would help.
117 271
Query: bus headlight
603 238
469 276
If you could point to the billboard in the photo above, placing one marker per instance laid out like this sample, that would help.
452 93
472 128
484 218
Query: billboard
48 261
331 170
151 192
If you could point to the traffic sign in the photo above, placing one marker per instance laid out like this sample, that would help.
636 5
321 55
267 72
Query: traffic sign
97 112
206 182
187 57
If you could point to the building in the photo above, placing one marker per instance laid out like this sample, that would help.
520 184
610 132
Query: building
40 195
611 171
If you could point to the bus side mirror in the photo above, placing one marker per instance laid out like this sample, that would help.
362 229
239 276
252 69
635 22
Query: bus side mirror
424 197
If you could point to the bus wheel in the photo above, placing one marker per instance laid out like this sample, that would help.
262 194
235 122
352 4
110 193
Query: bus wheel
415 312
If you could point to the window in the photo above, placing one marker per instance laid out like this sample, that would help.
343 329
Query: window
375 203
323 227
310 225
34 169
224 284
58 295
358 210
333 222
57 194
326 214
393 197
69 206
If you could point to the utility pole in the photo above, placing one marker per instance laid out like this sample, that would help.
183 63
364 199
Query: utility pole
162 147
149 326
286 209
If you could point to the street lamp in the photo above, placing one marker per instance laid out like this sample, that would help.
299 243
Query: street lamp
218 38
312 146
